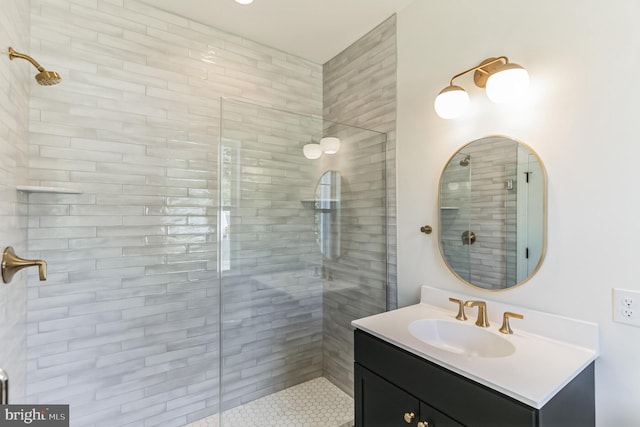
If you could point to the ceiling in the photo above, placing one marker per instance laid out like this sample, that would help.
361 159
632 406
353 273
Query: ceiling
314 29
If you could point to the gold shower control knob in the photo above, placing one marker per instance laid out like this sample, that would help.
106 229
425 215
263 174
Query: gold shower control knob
423 424
408 417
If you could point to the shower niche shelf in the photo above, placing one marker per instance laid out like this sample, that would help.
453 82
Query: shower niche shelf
321 205
50 190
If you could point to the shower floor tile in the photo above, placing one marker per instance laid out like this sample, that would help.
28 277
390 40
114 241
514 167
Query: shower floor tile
315 403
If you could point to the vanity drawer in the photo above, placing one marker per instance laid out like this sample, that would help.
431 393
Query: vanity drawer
470 403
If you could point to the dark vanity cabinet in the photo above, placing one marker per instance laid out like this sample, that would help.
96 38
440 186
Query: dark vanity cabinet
395 388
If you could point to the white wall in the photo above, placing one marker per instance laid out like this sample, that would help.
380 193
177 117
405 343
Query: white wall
581 117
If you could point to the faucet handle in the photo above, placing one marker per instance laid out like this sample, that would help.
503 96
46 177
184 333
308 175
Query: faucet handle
482 319
11 264
460 315
506 327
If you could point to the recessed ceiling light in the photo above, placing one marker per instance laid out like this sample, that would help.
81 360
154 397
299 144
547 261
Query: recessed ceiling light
244 1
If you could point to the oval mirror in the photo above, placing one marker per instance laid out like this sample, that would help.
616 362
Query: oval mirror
493 213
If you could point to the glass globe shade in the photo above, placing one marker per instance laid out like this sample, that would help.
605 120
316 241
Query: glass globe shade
244 1
451 102
330 145
312 151
509 83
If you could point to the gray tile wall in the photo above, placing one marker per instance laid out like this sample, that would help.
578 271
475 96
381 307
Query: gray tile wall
16 78
360 90
126 327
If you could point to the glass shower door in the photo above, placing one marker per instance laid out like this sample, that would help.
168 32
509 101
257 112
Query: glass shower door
277 267
455 215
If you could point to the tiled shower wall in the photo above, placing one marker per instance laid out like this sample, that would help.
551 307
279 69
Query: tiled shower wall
360 90
14 113
477 200
126 326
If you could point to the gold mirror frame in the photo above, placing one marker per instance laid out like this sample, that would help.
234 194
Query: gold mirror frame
470 237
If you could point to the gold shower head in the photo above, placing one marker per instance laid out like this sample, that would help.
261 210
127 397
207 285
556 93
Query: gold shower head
44 77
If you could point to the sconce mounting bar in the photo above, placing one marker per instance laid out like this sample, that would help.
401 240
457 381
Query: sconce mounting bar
482 71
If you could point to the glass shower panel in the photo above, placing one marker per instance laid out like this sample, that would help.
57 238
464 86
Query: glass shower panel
354 283
455 214
512 188
529 219
275 211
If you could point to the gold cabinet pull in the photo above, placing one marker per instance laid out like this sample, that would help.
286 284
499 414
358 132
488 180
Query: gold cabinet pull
423 424
408 417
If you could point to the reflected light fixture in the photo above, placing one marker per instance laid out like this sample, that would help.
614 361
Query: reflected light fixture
312 151
330 145
504 82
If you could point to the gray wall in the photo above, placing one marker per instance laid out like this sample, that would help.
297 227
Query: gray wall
14 114
126 327
360 90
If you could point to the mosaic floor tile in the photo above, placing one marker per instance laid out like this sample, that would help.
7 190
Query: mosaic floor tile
315 403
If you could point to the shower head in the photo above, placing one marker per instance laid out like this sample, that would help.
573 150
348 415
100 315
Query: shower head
465 161
48 78
44 77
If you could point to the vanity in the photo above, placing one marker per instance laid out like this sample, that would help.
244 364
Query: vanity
454 360
420 366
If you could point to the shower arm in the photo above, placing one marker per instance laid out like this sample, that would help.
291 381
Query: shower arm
14 54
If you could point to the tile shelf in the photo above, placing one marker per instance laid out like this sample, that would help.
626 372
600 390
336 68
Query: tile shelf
52 190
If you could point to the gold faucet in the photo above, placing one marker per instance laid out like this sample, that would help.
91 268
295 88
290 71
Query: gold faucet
461 315
506 327
482 320
11 264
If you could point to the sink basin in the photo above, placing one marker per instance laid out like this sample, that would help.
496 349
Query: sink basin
461 338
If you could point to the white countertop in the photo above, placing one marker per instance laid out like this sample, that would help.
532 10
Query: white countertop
549 351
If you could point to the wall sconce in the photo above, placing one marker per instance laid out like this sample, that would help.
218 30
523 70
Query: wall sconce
504 82
328 145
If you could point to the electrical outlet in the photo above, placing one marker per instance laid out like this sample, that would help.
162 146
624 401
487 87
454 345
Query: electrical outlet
626 306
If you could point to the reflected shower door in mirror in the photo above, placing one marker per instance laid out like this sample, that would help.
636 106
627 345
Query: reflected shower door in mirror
492 201
327 214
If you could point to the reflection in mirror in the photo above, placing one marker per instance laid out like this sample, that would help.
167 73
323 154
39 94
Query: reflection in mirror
493 213
327 216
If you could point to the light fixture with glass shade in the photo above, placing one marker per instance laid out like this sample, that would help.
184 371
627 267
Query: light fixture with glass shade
451 102
312 151
244 1
504 82
330 145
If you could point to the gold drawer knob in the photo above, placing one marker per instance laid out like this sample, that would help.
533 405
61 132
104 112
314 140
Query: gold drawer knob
423 424
408 417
